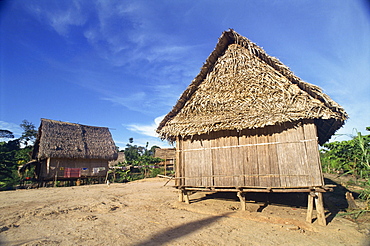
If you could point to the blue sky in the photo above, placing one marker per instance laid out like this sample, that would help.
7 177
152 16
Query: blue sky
124 64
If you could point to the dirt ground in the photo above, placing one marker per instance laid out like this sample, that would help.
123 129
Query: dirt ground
146 212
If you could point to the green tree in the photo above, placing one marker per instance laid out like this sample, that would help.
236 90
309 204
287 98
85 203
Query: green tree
12 154
132 152
140 156
6 134
351 156
8 163
29 132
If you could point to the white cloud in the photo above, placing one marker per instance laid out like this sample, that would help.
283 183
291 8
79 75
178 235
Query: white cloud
14 128
63 20
158 120
147 130
144 141
133 101
60 18
359 114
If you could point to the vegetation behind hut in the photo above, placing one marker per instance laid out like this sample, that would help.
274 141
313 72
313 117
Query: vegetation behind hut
139 163
15 152
348 157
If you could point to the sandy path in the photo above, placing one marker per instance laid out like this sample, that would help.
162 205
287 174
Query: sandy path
147 213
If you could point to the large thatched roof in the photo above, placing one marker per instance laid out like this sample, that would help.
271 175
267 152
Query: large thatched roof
58 139
241 87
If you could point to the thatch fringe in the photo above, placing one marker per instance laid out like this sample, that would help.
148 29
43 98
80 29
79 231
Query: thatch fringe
241 87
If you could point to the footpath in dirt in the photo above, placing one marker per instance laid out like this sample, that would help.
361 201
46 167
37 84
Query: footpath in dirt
146 212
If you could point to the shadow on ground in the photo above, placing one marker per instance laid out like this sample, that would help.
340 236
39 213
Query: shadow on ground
180 231
334 201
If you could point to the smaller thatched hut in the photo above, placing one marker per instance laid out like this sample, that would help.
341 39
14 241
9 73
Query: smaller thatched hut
120 159
67 151
168 155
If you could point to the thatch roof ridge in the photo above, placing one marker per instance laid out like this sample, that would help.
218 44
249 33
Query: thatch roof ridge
58 139
231 37
69 123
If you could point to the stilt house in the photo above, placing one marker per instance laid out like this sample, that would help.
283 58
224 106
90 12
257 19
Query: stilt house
247 123
68 151
168 155
120 159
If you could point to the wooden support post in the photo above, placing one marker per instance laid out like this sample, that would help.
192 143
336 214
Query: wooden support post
241 196
181 196
316 197
311 196
186 196
320 209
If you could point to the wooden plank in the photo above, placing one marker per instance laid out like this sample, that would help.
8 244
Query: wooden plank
273 156
191 163
301 162
282 158
312 150
227 166
304 168
198 162
292 163
191 160
226 161
250 160
183 162
263 160
178 182
185 167
237 161
207 164
187 163
201 161
217 159
291 151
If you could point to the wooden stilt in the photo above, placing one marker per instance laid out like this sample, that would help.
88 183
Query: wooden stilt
320 209
311 196
181 196
165 163
186 197
317 198
241 196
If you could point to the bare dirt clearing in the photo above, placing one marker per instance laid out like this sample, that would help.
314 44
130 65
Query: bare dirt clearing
147 213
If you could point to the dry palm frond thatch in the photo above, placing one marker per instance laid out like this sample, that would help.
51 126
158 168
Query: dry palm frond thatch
241 87
58 139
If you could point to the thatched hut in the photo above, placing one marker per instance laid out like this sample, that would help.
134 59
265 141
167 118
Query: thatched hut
168 155
67 151
120 159
247 123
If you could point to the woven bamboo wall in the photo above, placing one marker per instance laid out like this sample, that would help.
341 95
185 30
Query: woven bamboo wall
167 154
274 156
88 167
